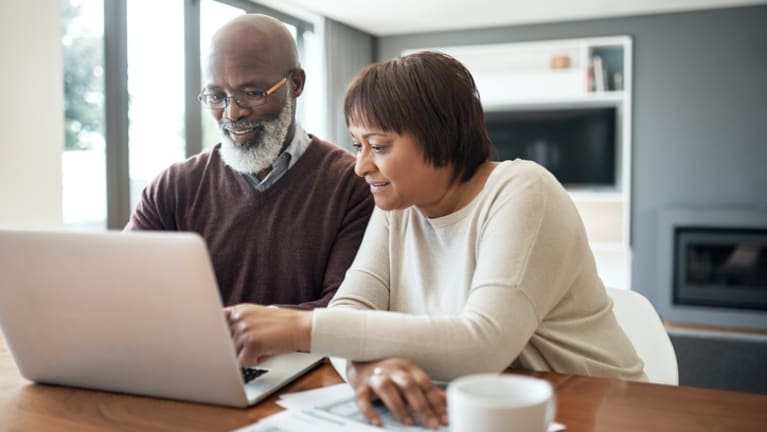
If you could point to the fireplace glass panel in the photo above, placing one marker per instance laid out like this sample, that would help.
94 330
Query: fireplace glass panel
721 267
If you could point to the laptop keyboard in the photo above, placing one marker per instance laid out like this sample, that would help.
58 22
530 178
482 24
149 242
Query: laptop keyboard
249 374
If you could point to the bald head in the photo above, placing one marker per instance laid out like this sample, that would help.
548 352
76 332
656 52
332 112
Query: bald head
264 40
253 65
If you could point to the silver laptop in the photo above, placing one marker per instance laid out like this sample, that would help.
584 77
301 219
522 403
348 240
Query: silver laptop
132 312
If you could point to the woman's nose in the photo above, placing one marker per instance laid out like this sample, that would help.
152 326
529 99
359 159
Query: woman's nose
363 165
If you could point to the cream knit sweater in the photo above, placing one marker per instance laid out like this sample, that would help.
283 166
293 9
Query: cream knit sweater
507 279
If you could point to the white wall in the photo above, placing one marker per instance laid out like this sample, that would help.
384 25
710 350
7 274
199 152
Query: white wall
31 128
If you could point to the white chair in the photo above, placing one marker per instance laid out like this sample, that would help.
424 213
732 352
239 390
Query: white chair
638 318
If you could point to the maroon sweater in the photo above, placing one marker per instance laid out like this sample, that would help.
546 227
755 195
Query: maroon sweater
290 244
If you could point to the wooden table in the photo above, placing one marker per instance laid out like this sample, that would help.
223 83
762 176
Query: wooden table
583 404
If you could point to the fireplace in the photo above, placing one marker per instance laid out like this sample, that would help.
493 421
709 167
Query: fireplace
712 267
720 267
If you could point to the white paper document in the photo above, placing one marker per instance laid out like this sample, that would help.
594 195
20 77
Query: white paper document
304 420
331 409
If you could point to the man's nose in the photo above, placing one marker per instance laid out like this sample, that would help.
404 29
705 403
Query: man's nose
234 111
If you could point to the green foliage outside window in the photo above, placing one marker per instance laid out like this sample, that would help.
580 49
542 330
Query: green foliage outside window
82 57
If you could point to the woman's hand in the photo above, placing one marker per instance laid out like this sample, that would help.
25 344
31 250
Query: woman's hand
402 386
259 331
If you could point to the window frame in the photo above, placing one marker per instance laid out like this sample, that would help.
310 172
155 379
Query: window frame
116 99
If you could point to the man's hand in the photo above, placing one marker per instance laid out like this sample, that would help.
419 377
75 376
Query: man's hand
259 331
402 386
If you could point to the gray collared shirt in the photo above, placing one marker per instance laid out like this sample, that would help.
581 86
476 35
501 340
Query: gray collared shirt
284 161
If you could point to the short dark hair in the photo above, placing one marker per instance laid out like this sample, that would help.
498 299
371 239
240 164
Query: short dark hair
431 96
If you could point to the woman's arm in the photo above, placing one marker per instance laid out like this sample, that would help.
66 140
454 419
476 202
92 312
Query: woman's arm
366 283
259 331
525 264
524 267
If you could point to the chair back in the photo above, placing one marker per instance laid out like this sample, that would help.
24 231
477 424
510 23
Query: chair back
641 323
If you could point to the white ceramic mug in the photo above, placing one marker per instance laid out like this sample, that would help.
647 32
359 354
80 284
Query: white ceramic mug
500 403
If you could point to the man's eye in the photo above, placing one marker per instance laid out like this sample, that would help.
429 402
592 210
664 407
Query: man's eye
215 97
255 94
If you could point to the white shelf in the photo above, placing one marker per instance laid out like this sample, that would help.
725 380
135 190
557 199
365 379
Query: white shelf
562 74
611 98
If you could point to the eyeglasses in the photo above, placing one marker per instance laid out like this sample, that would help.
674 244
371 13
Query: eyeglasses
246 99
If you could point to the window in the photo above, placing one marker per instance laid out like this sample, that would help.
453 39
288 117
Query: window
133 112
156 90
83 159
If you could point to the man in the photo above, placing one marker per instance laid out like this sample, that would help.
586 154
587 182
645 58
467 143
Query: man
281 211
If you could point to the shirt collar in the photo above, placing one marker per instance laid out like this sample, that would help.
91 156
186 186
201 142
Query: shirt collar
284 161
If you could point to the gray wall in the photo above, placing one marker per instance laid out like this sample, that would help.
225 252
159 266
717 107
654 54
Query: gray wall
347 50
700 109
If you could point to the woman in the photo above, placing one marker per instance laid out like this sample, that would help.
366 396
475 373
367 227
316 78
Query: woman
466 266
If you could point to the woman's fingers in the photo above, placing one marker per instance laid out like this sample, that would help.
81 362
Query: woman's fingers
390 395
434 395
251 344
438 401
415 393
364 395
259 331
229 316
403 387
249 348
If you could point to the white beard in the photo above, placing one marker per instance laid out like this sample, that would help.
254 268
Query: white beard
260 153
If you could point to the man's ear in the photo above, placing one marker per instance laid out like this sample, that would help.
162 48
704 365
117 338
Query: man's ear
297 81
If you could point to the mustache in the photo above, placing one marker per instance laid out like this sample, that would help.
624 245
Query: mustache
240 124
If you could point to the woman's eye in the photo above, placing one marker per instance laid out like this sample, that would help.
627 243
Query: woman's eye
377 149
357 147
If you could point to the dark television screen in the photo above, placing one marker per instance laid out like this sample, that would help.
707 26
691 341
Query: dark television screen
577 145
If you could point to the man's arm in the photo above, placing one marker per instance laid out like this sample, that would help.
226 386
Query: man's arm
149 213
347 242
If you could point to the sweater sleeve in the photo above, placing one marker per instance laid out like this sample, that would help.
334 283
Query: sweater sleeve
347 240
523 269
154 210
366 285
